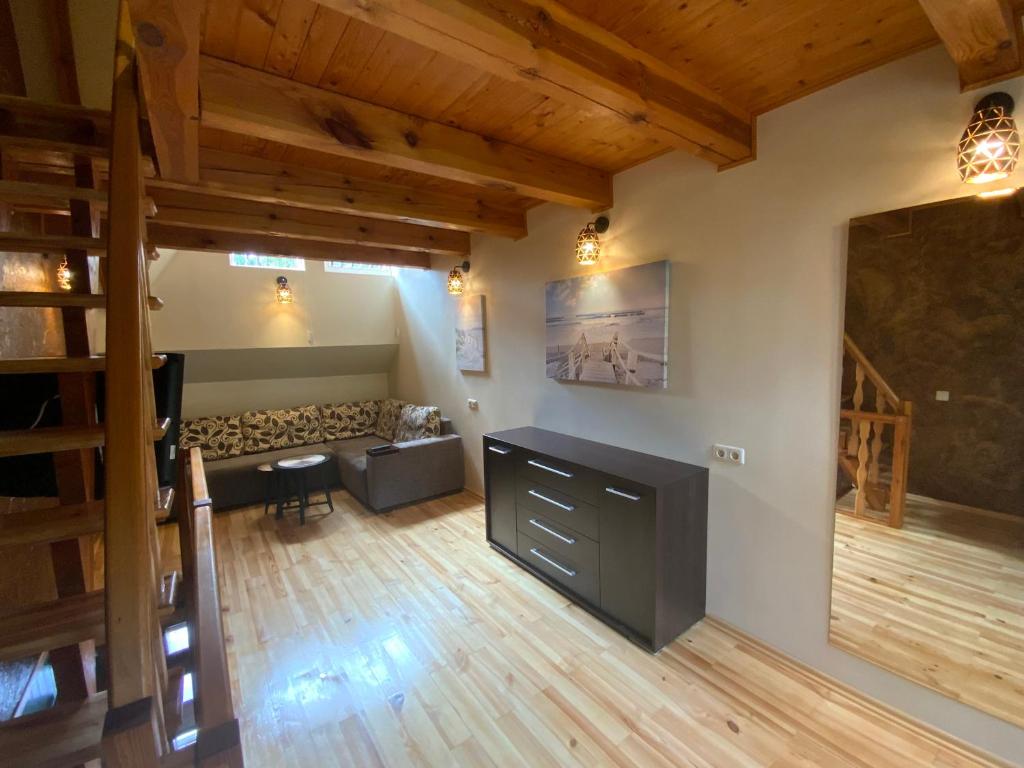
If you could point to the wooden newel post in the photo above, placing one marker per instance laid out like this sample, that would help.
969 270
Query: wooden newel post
130 736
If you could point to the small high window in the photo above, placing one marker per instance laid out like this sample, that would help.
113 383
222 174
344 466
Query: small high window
261 261
359 269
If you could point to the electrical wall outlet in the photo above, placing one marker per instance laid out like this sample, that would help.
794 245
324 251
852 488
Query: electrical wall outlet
473 404
942 396
729 453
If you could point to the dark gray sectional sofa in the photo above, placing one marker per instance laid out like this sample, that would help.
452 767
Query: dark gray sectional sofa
428 461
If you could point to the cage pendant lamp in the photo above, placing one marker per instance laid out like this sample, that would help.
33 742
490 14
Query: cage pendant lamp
457 279
64 275
284 291
989 148
588 242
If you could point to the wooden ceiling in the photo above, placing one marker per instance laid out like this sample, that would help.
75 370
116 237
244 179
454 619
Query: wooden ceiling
300 118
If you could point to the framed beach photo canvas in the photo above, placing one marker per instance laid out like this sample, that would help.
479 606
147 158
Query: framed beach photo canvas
610 327
470 354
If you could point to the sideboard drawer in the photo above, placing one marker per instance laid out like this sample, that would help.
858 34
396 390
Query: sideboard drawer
577 572
565 541
568 478
564 509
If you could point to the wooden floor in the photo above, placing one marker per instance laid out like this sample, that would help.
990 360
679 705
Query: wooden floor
402 639
940 601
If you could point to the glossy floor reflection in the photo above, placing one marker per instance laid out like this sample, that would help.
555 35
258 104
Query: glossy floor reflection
402 639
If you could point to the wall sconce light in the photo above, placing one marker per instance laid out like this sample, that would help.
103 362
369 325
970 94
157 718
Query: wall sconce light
457 279
64 275
989 148
588 242
284 291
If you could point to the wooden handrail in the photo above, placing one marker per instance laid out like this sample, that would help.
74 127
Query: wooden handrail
134 732
872 416
215 717
876 378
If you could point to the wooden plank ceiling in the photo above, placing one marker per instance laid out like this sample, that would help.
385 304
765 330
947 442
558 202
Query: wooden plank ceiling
462 114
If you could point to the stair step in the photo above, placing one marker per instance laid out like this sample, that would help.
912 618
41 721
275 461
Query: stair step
165 503
60 299
169 588
33 629
32 193
24 442
56 198
89 364
41 144
174 701
59 737
69 521
20 242
42 526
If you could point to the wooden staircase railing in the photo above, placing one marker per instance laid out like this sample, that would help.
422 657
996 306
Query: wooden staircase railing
874 441
217 737
137 720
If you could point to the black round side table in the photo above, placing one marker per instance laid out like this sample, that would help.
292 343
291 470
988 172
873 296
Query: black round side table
295 480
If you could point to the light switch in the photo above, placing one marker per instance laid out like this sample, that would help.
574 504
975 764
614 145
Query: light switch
942 396
473 404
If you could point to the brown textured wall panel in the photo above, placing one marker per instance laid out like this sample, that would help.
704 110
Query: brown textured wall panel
943 309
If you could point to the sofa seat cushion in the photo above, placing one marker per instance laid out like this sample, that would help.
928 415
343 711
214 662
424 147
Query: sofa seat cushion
387 422
417 422
219 437
283 428
343 421
351 461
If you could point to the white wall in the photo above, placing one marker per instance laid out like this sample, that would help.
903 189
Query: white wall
756 316
209 304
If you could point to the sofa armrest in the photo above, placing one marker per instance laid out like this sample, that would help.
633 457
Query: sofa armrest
418 470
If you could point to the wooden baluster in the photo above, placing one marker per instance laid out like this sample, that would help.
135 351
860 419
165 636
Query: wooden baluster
853 446
862 468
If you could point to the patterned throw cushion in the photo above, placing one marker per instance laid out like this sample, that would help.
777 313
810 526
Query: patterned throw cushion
418 421
341 421
219 437
283 428
387 423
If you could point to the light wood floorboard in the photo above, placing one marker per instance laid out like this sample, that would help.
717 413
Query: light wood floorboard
402 639
939 601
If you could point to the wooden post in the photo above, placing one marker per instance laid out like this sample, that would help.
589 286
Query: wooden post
900 466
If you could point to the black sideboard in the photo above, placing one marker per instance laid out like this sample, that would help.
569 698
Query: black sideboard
621 533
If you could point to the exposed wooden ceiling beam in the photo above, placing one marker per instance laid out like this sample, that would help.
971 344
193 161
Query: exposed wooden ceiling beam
181 238
167 42
982 36
197 211
259 104
244 177
547 47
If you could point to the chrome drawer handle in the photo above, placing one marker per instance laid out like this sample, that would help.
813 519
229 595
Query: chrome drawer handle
546 468
501 451
623 494
549 561
560 505
556 534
